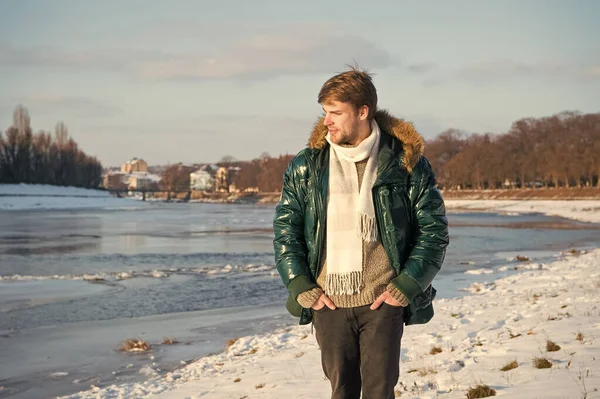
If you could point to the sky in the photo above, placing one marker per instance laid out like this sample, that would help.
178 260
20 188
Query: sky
192 81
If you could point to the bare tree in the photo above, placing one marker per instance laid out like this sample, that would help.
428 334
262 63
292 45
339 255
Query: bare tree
25 158
227 159
176 177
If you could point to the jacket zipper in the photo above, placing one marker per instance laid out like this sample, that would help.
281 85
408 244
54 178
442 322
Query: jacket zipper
321 225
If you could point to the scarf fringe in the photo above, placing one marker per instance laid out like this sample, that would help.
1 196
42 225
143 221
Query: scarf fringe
367 228
347 283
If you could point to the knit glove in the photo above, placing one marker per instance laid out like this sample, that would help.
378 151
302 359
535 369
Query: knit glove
397 294
308 298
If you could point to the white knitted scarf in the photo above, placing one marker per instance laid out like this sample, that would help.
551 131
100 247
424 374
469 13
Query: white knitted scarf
350 213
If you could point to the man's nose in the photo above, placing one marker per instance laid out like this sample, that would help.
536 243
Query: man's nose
327 120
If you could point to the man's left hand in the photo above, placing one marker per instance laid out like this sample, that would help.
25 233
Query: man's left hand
387 298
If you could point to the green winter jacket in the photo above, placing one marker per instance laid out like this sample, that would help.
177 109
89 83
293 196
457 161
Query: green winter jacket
410 212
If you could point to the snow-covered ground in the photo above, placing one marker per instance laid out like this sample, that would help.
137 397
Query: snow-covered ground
582 210
40 196
496 323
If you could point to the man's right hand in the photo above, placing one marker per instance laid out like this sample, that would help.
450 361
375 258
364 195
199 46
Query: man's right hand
322 302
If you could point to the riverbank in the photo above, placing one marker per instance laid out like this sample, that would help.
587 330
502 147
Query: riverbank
561 193
546 315
19 197
574 193
582 210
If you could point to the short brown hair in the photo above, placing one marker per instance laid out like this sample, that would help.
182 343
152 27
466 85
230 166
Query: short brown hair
354 86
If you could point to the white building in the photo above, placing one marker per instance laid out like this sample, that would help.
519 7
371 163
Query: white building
143 181
201 180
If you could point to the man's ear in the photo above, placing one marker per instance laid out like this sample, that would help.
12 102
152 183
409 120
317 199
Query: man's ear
363 112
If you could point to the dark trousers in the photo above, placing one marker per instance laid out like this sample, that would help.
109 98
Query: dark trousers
360 348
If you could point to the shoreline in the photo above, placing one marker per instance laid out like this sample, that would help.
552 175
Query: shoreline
493 323
585 211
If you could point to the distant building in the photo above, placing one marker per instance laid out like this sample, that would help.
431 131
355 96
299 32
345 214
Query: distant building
143 181
115 180
130 181
222 180
135 165
202 180
225 177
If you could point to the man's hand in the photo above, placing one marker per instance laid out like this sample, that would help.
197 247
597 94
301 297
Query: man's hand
322 302
387 298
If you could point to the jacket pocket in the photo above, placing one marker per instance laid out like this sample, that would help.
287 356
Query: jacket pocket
424 299
293 307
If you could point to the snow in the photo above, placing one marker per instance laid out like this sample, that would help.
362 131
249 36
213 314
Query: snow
496 322
582 210
117 276
40 196
505 320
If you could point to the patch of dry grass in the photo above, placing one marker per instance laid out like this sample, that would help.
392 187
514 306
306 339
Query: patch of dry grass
541 363
253 351
435 350
512 336
480 391
551 346
521 258
230 342
134 345
579 337
510 366
424 371
237 380
259 386
299 354
170 341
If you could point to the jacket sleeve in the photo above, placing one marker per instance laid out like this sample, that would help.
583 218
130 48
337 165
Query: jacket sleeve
431 241
291 254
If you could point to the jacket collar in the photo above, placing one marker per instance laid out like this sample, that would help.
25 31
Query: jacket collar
410 141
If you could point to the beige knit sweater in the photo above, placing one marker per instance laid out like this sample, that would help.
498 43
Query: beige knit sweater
377 273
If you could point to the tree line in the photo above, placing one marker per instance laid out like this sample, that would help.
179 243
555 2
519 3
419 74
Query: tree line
562 150
264 174
42 158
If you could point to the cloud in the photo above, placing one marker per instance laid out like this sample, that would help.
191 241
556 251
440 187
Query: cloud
431 82
267 53
423 67
591 72
54 57
502 69
66 106
200 139
271 54
505 68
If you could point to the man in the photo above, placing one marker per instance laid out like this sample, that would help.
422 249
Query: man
360 233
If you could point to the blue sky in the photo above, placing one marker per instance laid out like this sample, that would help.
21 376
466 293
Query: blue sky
192 81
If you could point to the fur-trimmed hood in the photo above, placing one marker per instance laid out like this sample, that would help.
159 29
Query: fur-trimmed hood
412 142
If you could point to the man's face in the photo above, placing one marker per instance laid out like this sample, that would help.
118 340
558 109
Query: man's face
343 122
